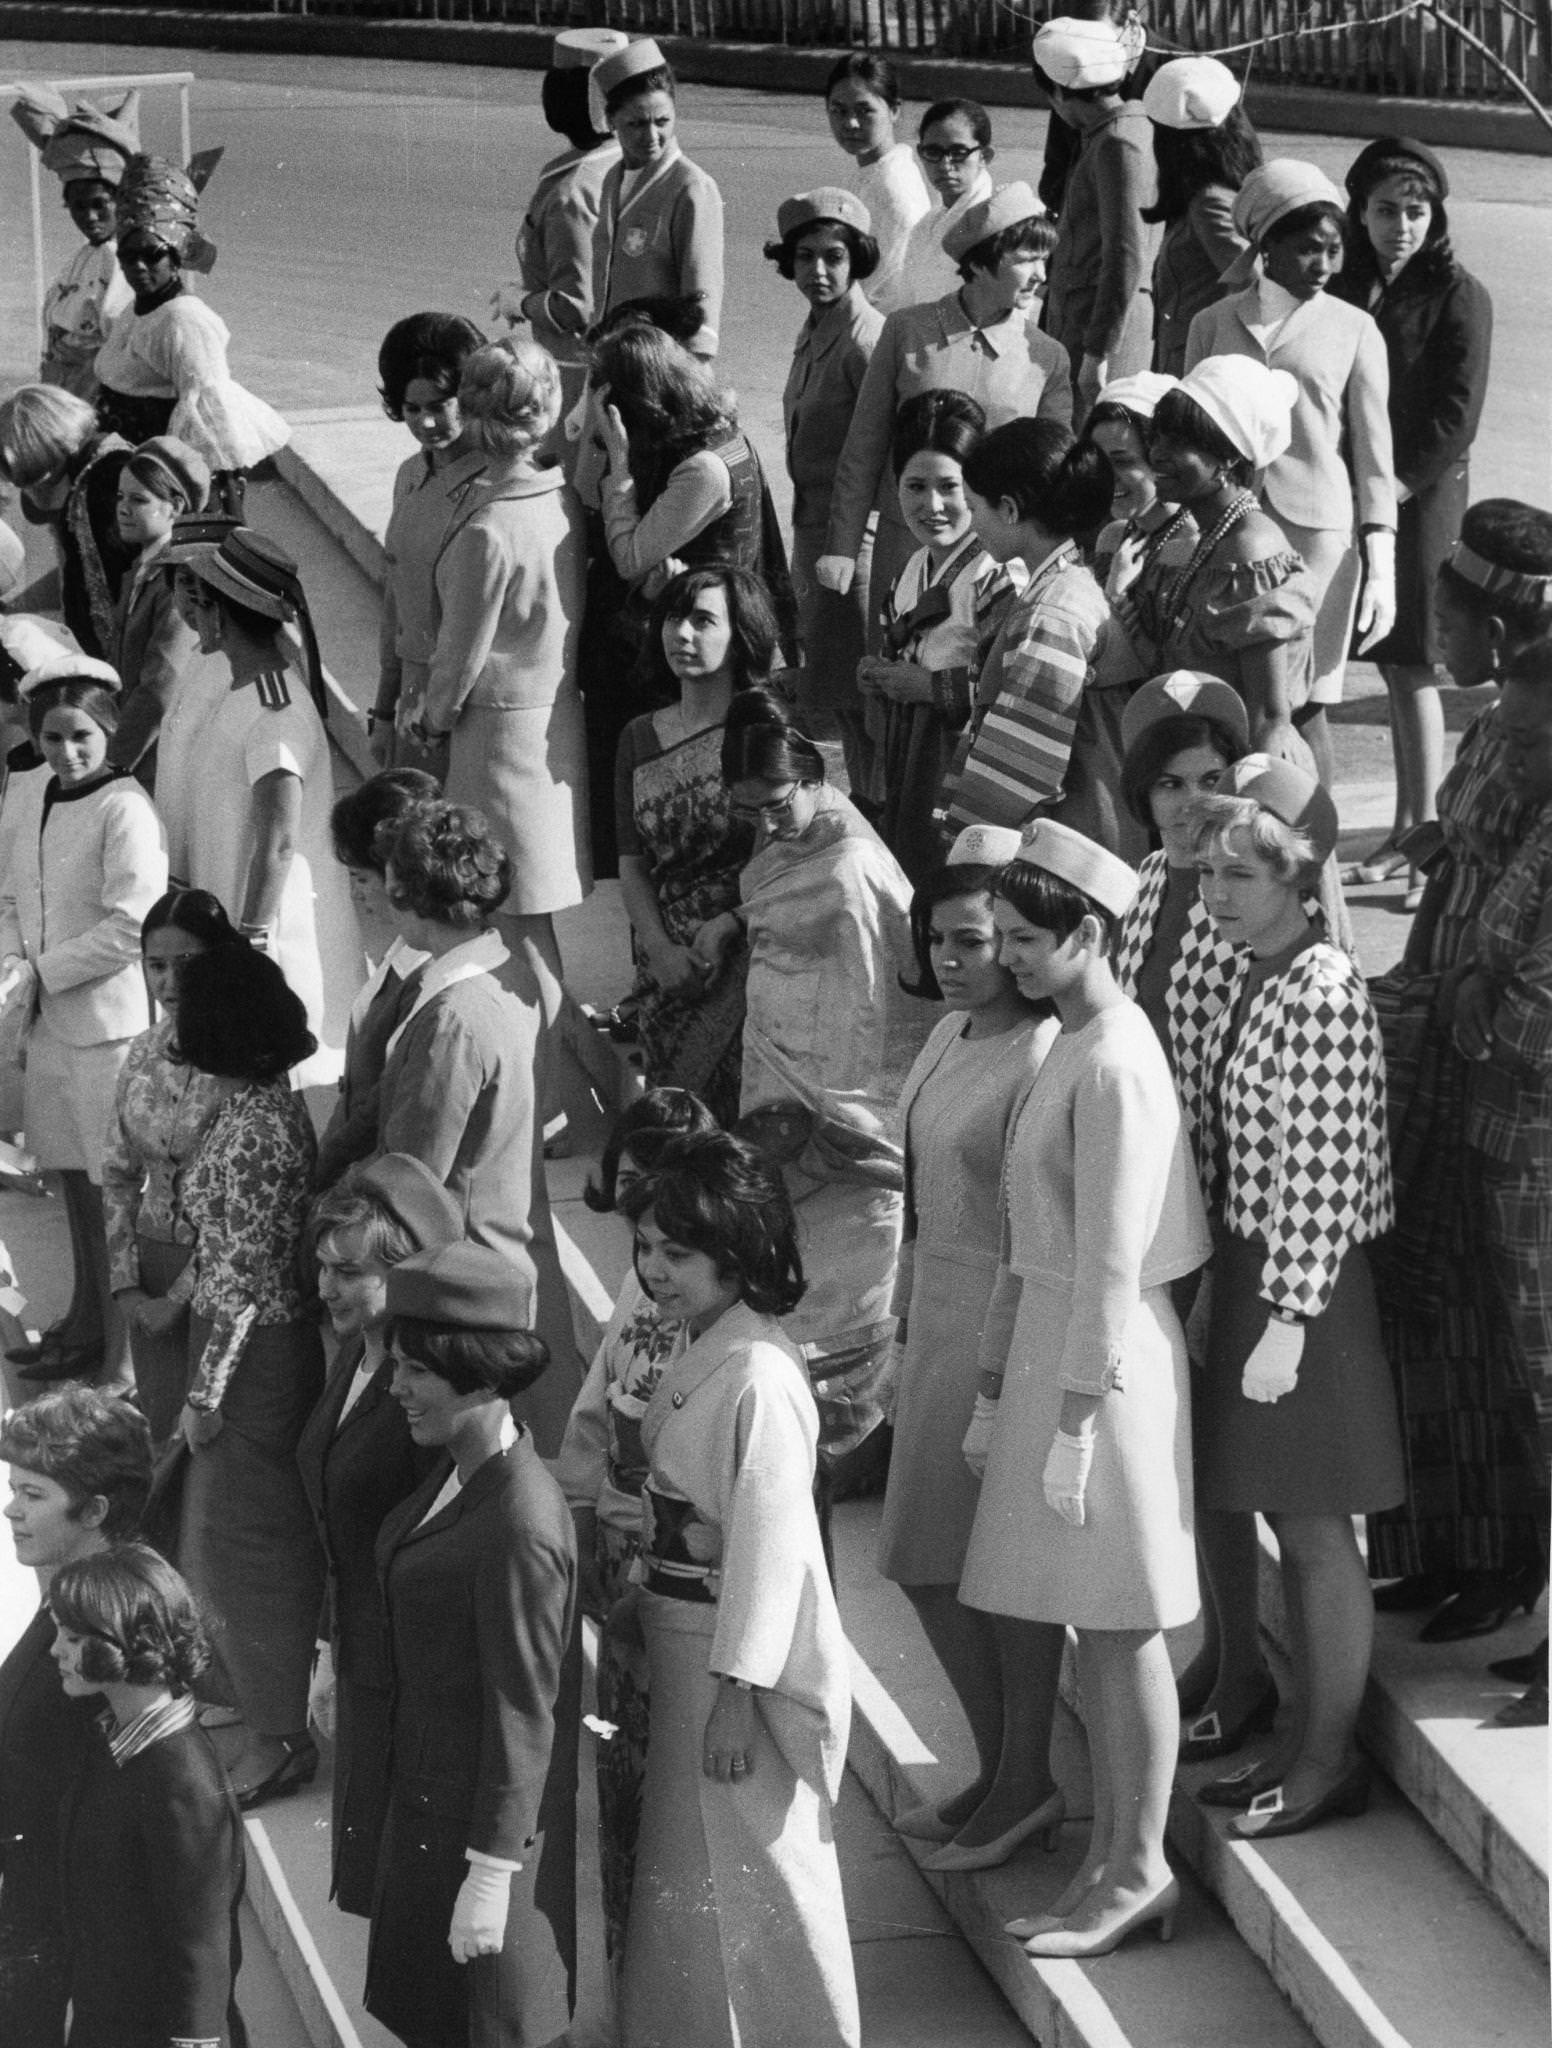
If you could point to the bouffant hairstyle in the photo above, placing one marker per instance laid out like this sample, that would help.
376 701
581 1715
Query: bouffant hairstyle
1032 237
429 347
563 96
1188 160
659 79
716 1194
944 422
512 388
752 651
1303 219
1287 851
963 878
448 865
1179 418
384 1239
1158 746
239 1018
100 704
1511 535
642 1129
195 912
1061 485
504 1363
355 818
762 742
41 427
92 1444
862 248
1054 904
140 1620
874 73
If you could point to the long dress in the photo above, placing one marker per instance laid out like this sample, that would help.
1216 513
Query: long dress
737 1926
1102 1211
672 811
956 1109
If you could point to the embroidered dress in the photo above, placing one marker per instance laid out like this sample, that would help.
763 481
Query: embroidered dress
672 811
78 309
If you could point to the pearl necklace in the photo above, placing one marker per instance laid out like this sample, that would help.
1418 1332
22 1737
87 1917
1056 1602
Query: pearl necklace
1240 508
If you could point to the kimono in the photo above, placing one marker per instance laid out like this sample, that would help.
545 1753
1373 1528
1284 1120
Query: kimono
734 1583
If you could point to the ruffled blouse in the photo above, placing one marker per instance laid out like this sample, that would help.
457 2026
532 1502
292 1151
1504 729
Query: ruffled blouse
178 351
1228 609
163 1110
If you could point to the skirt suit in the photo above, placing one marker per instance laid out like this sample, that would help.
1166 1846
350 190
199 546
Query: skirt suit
956 1108
1102 1211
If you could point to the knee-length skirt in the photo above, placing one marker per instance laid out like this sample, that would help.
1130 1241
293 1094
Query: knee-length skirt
67 1098
526 769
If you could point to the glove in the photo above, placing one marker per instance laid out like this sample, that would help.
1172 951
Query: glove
320 1694
1377 610
1067 1474
835 572
1272 1369
480 1913
506 303
978 1437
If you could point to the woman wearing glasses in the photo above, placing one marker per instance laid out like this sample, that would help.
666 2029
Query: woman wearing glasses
955 151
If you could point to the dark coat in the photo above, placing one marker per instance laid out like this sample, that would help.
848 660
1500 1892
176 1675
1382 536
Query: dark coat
351 1132
152 650
486 1666
353 1475
152 1867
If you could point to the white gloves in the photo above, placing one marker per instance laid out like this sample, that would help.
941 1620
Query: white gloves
1272 1369
480 1913
978 1437
835 572
320 1694
1377 609
1067 1474
506 303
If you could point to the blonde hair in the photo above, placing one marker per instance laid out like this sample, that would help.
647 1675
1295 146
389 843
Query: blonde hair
512 388
41 427
1287 851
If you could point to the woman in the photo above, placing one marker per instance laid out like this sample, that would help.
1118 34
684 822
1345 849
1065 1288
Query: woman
163 481
862 103
152 1859
1204 148
474 1916
67 470
357 1462
418 368
82 859
1296 1417
981 340
259 837
245 1535
1465 1545
459 1073
955 1109
79 1473
1120 427
388 991
501 695
1084 1378
659 231
161 1113
954 149
681 850
1437 325
1098 304
750 1702
825 246
1337 466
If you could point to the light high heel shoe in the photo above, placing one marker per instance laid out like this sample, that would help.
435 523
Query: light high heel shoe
1065 1940
1044 1825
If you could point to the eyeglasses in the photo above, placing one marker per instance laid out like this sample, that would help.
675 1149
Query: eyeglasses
778 807
935 153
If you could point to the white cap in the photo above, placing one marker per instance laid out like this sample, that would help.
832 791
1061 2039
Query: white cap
1251 404
1078 54
68 668
986 846
1191 92
1140 393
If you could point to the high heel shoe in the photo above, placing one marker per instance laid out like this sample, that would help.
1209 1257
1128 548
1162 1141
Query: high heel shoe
1158 1911
1239 1788
298 1767
1484 1603
1531 1669
1528 1711
1415 1591
1044 1825
925 1823
1268 1814
1208 1738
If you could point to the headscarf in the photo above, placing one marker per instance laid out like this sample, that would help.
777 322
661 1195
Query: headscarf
161 200
82 140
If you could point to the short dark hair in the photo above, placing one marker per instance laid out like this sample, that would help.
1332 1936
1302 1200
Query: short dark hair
563 96
195 912
1180 417
762 742
355 818
1032 237
1188 160
504 1363
970 110
1062 485
1511 535
448 865
642 1129
870 70
1303 219
965 878
100 704
1052 903
946 422
659 79
432 346
750 614
141 1623
239 1018
716 1194
862 248
1157 747
90 1443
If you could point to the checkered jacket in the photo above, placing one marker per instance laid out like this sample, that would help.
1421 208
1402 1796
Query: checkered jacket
1294 1139
1199 980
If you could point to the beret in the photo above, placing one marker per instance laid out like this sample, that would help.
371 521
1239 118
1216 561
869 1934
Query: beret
1363 172
69 668
1139 393
463 1286
1249 403
825 202
1089 867
185 465
1184 694
412 1195
1004 207
1077 55
1191 92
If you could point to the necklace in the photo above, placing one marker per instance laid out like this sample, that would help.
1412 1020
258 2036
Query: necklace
1242 505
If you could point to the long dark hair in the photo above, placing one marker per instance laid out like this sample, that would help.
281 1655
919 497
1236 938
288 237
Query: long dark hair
670 406
762 742
1188 160
752 653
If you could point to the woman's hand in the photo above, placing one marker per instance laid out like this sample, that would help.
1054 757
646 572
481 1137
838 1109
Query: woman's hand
713 941
379 740
1472 1019
1093 375
424 736
676 969
200 1426
480 1913
1377 611
727 1752
1272 1369
12 971
615 439
321 1695
506 303
157 1318
977 1446
1066 1476
835 572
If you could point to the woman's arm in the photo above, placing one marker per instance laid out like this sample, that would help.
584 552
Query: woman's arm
123 1180
523 1591
1454 370
189 1876
1211 214
1366 405
865 452
134 874
672 966
696 235
169 644
476 577
1122 181
698 491
277 814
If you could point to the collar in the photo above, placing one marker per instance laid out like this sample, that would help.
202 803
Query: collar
53 794
153 1724
645 178
482 954
994 339
698 1362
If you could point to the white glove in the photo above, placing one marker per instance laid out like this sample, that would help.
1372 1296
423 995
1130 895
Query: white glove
835 572
1272 1369
320 1694
978 1437
480 1913
1067 1474
12 974
506 303
1377 610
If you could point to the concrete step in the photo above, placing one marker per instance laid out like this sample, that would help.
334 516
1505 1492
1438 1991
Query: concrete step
342 463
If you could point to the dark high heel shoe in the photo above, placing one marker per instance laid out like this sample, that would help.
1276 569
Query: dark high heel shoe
1415 1592
1528 1711
1239 1789
1268 1815
298 1767
1210 1738
1531 1669
1484 1603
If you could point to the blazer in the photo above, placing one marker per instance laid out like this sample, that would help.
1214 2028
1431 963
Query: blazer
152 648
828 364
555 248
1337 355
73 895
663 239
152 1869
44 1737
1097 298
351 1132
